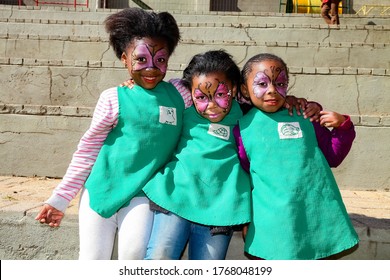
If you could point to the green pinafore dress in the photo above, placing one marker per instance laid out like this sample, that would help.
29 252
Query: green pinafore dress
204 183
144 139
298 212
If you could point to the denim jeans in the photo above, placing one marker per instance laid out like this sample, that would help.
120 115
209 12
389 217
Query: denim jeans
170 234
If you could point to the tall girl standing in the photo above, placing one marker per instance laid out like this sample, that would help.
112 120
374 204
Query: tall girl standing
132 135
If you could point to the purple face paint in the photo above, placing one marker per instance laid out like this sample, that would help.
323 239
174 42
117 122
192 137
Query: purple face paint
144 56
262 82
160 60
221 97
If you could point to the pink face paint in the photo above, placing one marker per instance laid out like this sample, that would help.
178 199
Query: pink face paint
262 82
201 100
144 56
221 96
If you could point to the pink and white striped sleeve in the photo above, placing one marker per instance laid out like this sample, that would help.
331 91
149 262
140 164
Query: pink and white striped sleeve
185 93
104 119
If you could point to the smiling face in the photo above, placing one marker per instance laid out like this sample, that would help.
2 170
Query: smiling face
212 95
266 85
147 61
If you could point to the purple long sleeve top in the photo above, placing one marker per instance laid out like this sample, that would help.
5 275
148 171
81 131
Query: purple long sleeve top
335 144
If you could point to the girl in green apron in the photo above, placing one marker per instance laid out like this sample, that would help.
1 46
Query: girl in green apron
133 134
298 212
203 191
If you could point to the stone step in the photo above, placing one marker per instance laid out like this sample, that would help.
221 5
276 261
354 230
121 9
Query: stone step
323 53
84 14
267 32
79 84
315 54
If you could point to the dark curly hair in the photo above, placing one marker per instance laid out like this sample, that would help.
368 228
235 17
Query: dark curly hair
134 23
211 62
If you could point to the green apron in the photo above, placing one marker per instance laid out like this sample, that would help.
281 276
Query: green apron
205 183
148 129
298 212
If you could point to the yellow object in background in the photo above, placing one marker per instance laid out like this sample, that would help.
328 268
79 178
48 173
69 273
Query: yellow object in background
311 6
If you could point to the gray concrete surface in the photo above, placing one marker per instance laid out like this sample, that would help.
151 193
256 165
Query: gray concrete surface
24 238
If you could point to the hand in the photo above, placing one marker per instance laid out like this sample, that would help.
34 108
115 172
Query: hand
331 119
294 102
128 83
50 215
312 111
244 231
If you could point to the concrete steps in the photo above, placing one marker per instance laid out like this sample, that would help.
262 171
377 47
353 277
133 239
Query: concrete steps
66 35
317 54
65 13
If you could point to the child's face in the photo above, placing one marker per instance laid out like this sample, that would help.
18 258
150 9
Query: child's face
266 85
147 61
212 95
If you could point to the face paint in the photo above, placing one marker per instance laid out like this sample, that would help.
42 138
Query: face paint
262 82
145 56
221 97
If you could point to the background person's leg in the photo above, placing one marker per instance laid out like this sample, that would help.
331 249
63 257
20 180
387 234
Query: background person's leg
334 12
325 8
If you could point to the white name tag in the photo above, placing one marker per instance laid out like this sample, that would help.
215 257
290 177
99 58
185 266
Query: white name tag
220 131
168 115
289 130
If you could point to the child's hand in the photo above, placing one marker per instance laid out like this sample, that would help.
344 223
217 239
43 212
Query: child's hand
293 102
312 111
50 215
331 119
244 231
128 83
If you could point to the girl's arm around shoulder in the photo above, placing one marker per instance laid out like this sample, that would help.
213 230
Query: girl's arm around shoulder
183 90
242 156
103 121
337 142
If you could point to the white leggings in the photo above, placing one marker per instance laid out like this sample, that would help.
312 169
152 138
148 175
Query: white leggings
97 234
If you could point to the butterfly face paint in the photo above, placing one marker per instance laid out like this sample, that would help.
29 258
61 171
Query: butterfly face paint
149 56
207 92
273 76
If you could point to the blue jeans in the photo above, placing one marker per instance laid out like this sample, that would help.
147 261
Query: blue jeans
170 234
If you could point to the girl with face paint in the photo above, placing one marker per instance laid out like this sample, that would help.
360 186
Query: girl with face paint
203 192
298 212
133 134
